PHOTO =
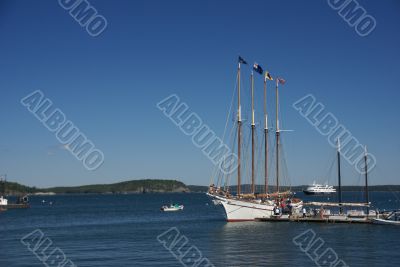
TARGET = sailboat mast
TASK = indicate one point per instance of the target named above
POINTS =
(239, 135)
(252, 135)
(277, 136)
(339, 178)
(366, 179)
(265, 138)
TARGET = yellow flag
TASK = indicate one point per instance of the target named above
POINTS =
(268, 76)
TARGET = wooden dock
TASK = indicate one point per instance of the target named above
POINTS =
(327, 219)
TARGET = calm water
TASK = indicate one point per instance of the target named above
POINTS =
(122, 230)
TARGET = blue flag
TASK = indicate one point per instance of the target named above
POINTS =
(257, 68)
(242, 61)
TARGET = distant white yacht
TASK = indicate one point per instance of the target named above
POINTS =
(319, 189)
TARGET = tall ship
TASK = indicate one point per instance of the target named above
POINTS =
(319, 189)
(241, 205)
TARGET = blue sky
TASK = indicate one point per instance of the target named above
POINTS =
(109, 85)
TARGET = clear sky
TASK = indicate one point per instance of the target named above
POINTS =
(108, 86)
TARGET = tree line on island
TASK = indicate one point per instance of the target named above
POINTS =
(148, 186)
(126, 187)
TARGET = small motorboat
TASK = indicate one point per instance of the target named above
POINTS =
(392, 218)
(3, 202)
(172, 207)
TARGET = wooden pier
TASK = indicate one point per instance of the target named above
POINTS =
(327, 219)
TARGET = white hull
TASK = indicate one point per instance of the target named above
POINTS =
(169, 209)
(382, 221)
(241, 210)
(307, 192)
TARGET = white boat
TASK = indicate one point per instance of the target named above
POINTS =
(252, 205)
(22, 202)
(393, 219)
(318, 189)
(172, 207)
(3, 201)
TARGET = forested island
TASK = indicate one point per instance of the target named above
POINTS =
(127, 187)
(151, 186)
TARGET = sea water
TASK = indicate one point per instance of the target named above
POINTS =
(124, 230)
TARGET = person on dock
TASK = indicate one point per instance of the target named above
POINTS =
(277, 211)
(304, 212)
(322, 212)
(282, 206)
(290, 208)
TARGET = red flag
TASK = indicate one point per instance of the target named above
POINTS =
(281, 81)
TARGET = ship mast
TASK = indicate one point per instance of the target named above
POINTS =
(277, 136)
(265, 137)
(339, 178)
(253, 126)
(239, 117)
(366, 179)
